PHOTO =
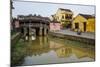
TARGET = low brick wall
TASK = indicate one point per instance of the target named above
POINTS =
(71, 37)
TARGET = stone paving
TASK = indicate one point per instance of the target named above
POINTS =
(89, 35)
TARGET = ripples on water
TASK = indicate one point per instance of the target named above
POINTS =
(46, 50)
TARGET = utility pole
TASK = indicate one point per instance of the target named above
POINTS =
(11, 5)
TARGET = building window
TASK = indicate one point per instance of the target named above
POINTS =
(66, 16)
(76, 25)
(70, 16)
(62, 16)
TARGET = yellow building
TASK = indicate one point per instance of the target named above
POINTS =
(64, 16)
(84, 23)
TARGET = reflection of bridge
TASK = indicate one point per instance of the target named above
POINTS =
(38, 23)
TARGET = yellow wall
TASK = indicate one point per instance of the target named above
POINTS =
(90, 24)
(79, 19)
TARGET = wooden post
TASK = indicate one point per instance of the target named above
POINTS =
(40, 31)
(45, 31)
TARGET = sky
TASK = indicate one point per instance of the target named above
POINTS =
(48, 9)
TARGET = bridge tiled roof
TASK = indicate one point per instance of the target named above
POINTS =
(34, 18)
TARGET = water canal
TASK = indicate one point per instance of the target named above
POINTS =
(45, 50)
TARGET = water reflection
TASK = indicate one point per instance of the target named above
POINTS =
(45, 50)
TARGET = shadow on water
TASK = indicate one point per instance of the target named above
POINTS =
(48, 49)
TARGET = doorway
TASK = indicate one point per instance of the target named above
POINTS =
(76, 25)
(84, 26)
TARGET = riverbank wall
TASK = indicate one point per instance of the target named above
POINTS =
(72, 37)
(15, 38)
